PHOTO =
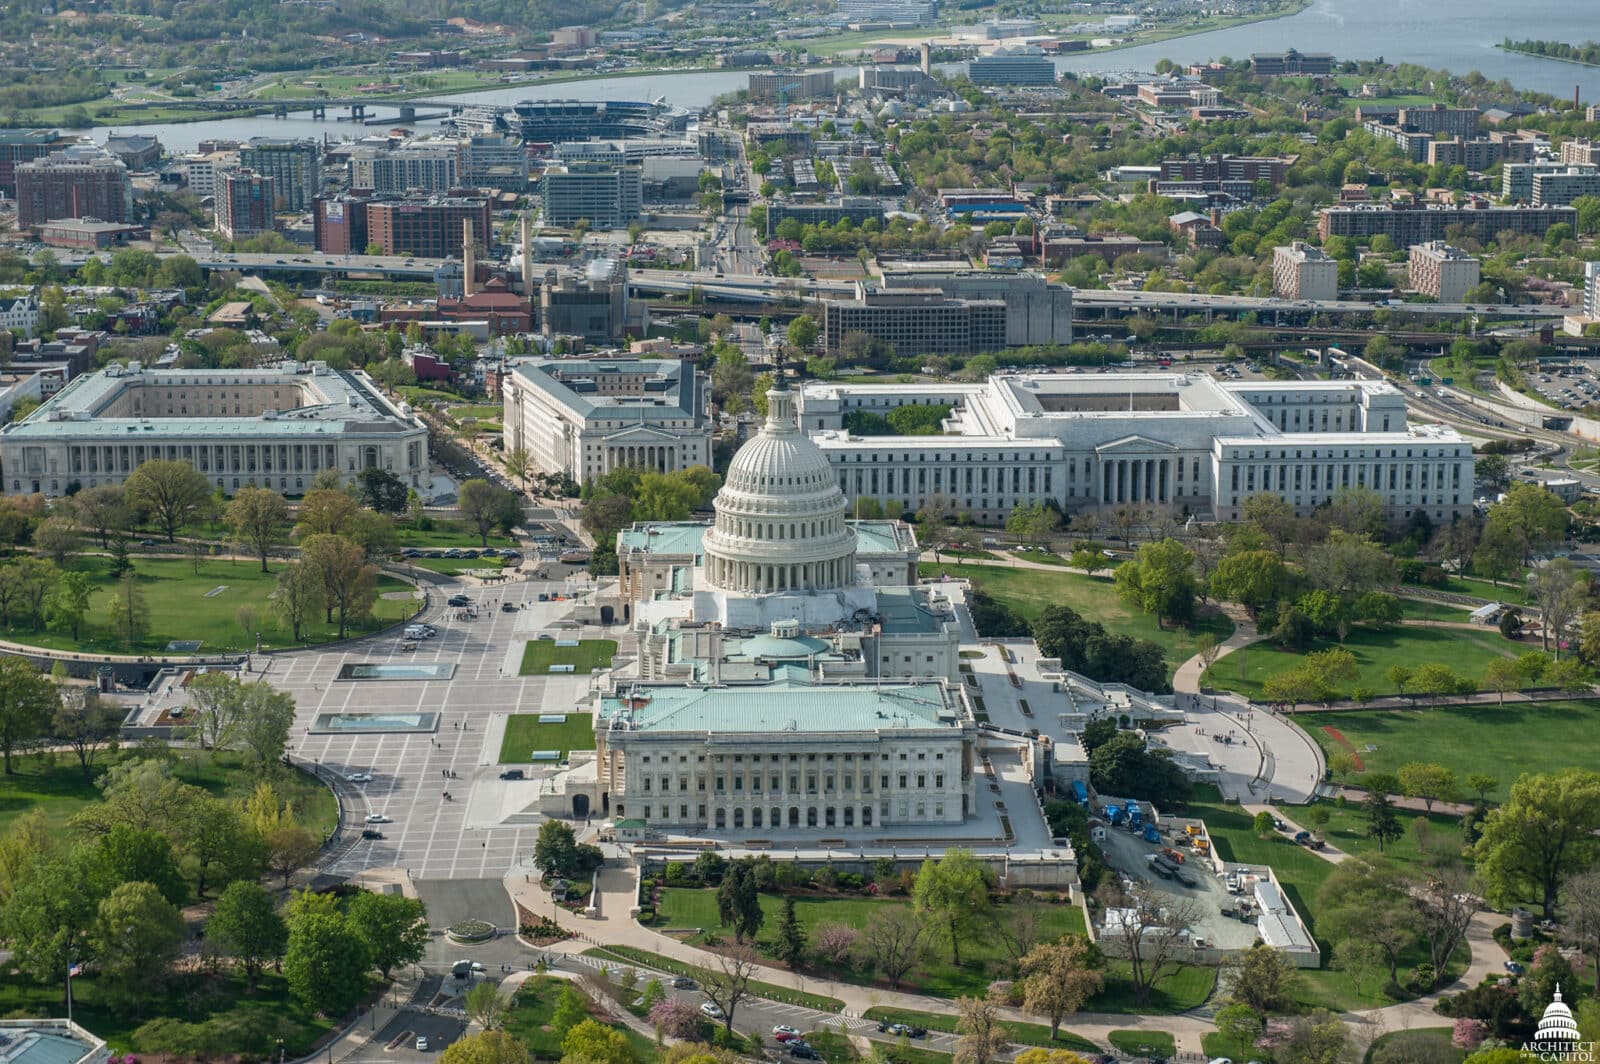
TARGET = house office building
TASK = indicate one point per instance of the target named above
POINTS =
(1038, 313)
(917, 321)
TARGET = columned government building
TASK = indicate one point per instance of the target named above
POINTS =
(1183, 441)
(275, 427)
(586, 417)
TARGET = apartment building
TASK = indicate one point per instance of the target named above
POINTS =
(1290, 63)
(1555, 187)
(246, 203)
(790, 86)
(24, 146)
(428, 228)
(1418, 224)
(1012, 69)
(1446, 273)
(1301, 271)
(1580, 152)
(295, 167)
(425, 167)
(79, 181)
(1273, 169)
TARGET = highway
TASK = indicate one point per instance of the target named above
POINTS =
(306, 261)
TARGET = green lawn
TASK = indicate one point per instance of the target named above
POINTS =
(1028, 1034)
(532, 1010)
(1501, 741)
(205, 606)
(476, 411)
(1029, 591)
(1426, 610)
(539, 654)
(1425, 1043)
(1465, 652)
(692, 907)
(55, 784)
(770, 991)
(1144, 1043)
(525, 734)
(1302, 874)
(443, 533)
(269, 1013)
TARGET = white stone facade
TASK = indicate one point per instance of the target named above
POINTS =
(1179, 441)
(586, 417)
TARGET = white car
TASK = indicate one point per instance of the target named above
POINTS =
(422, 1043)
(359, 777)
(784, 1028)
(712, 1009)
(379, 818)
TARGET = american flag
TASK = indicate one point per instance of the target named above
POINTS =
(74, 969)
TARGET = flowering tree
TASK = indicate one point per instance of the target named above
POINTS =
(1469, 1033)
(676, 1017)
(833, 942)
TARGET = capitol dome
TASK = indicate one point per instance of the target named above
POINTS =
(780, 514)
(1556, 1025)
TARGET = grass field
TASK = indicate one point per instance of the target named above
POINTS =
(534, 1007)
(452, 566)
(1302, 874)
(55, 784)
(1029, 591)
(1503, 742)
(1465, 652)
(445, 533)
(524, 734)
(1422, 1043)
(1028, 1034)
(770, 991)
(980, 956)
(539, 654)
(1143, 1043)
(205, 606)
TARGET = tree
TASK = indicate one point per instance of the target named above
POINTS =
(791, 944)
(572, 1008)
(214, 708)
(135, 938)
(1560, 588)
(290, 848)
(265, 717)
(246, 925)
(69, 601)
(519, 465)
(85, 723)
(1263, 824)
(1530, 517)
(349, 583)
(1059, 977)
(127, 854)
(802, 333)
(1493, 471)
(1502, 675)
(382, 491)
(555, 850)
(594, 1043)
(1159, 580)
(325, 512)
(485, 506)
(28, 702)
(392, 927)
(1382, 822)
(676, 1018)
(952, 892)
(486, 1046)
(324, 963)
(1348, 564)
(259, 517)
(1482, 783)
(47, 927)
(1124, 764)
(173, 493)
(100, 510)
(298, 596)
(895, 943)
(1252, 578)
(1545, 830)
(1446, 900)
(739, 902)
(1264, 979)
(727, 982)
(983, 1036)
(218, 845)
(1151, 932)
(56, 539)
(1427, 780)
(1270, 514)
(129, 616)
(1580, 926)
(1399, 675)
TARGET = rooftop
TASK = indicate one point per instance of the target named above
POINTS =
(788, 706)
(47, 1042)
(670, 386)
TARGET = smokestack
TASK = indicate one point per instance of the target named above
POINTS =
(527, 254)
(927, 58)
(1575, 103)
(469, 259)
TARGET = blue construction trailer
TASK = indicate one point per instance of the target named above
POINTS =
(1081, 793)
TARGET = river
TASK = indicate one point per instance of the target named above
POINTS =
(1457, 35)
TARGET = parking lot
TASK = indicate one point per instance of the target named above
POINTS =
(1129, 854)
(1570, 389)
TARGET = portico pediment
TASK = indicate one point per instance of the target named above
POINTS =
(1134, 445)
(637, 434)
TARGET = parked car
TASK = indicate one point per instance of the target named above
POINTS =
(147, 543)
(801, 1052)
(1514, 967)
(369, 833)
(784, 1033)
(379, 818)
(359, 777)
(712, 1009)
(682, 982)
(513, 774)
(458, 600)
(422, 1039)
(508, 607)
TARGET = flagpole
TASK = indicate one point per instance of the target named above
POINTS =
(69, 991)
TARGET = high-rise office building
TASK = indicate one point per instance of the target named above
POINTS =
(428, 228)
(1012, 69)
(607, 197)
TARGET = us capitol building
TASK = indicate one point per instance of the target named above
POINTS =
(790, 674)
